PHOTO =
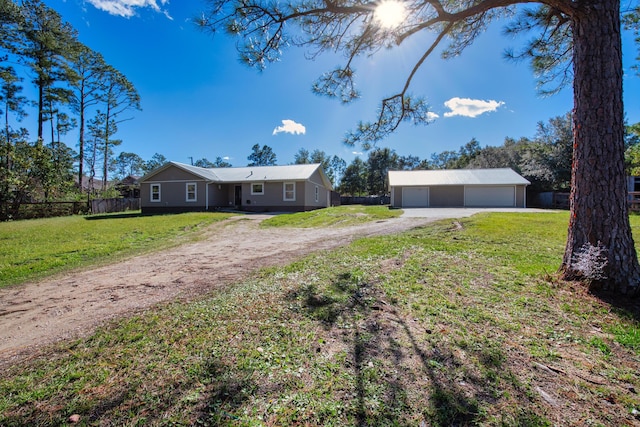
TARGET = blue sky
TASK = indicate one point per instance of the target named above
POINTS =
(199, 101)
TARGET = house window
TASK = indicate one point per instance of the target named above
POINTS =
(317, 193)
(155, 192)
(289, 189)
(192, 193)
(257, 189)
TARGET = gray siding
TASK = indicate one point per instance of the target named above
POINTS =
(452, 196)
(173, 194)
(446, 196)
(220, 195)
(521, 196)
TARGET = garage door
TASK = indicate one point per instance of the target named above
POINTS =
(415, 197)
(485, 196)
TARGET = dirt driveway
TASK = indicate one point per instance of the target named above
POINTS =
(73, 305)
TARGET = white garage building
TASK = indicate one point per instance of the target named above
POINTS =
(457, 188)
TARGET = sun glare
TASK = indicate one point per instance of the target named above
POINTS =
(390, 13)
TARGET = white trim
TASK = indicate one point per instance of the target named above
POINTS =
(257, 193)
(195, 192)
(151, 193)
(284, 191)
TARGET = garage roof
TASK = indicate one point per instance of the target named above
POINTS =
(503, 176)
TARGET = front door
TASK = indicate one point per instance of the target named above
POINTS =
(238, 196)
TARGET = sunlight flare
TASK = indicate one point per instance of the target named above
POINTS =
(390, 13)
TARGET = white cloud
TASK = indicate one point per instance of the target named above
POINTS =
(357, 153)
(127, 8)
(470, 107)
(289, 126)
(432, 116)
(226, 158)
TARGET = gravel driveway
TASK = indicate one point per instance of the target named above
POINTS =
(73, 305)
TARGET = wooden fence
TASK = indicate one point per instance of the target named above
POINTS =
(634, 201)
(31, 210)
(51, 209)
(101, 206)
(365, 200)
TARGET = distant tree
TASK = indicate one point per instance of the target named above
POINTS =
(94, 147)
(128, 164)
(632, 154)
(354, 179)
(333, 166)
(262, 156)
(632, 135)
(156, 161)
(380, 161)
(409, 162)
(203, 163)
(219, 162)
(12, 101)
(46, 46)
(460, 159)
(118, 96)
(557, 136)
(337, 167)
(90, 68)
(302, 157)
(15, 167)
(443, 160)
(508, 155)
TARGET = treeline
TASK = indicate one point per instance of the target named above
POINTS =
(74, 88)
(545, 160)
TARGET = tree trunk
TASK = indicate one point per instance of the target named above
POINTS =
(599, 213)
(40, 109)
(81, 138)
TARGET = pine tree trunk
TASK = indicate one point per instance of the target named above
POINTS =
(599, 215)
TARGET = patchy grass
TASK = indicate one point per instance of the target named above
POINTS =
(457, 323)
(340, 216)
(34, 248)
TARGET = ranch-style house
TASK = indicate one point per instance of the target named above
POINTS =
(178, 187)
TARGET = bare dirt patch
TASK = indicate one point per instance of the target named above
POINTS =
(73, 305)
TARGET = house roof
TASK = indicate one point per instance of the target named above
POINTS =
(503, 176)
(249, 173)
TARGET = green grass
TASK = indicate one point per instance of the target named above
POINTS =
(455, 323)
(340, 216)
(35, 248)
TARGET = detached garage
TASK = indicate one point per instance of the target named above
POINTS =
(457, 188)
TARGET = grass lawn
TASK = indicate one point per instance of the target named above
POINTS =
(35, 248)
(455, 323)
(339, 216)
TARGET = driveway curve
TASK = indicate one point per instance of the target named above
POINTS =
(72, 305)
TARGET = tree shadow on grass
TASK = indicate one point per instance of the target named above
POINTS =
(227, 392)
(629, 307)
(377, 351)
(123, 215)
